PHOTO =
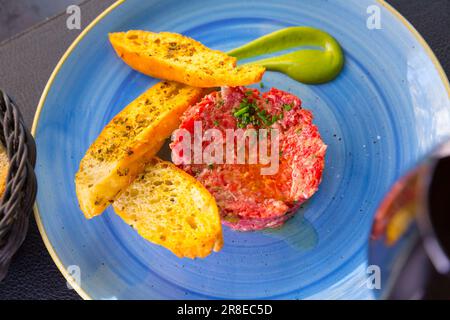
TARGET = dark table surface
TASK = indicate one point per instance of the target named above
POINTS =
(26, 62)
(18, 15)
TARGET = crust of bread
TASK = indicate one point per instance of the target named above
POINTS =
(179, 58)
(4, 168)
(170, 208)
(128, 142)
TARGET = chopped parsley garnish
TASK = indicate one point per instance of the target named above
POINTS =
(248, 113)
(216, 123)
(241, 112)
(261, 85)
(287, 107)
(275, 118)
(263, 116)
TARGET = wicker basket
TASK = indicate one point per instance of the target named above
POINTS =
(20, 193)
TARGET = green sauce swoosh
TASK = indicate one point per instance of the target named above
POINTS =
(311, 66)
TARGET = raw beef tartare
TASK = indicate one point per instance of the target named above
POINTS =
(247, 199)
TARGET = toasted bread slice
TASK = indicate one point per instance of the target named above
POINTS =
(171, 208)
(4, 168)
(128, 142)
(175, 57)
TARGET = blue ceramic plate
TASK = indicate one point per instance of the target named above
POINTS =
(387, 109)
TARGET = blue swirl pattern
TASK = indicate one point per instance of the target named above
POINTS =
(386, 110)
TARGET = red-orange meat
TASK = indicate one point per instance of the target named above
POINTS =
(247, 199)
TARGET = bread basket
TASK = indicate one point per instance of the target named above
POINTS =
(20, 189)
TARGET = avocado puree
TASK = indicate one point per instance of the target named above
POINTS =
(311, 66)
